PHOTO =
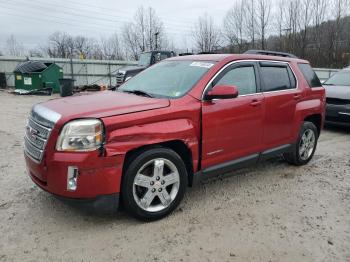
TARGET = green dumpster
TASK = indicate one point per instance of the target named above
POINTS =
(33, 75)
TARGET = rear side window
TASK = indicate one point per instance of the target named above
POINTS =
(277, 77)
(310, 75)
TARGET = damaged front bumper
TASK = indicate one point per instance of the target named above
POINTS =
(97, 178)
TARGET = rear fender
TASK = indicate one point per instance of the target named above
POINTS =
(305, 109)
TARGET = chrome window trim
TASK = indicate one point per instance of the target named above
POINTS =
(261, 92)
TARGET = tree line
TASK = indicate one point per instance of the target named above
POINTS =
(316, 30)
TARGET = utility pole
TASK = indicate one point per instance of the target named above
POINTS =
(156, 35)
(109, 74)
(288, 34)
(71, 67)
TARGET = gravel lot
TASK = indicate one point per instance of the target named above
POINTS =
(275, 212)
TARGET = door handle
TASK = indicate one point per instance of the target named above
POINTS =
(297, 96)
(255, 102)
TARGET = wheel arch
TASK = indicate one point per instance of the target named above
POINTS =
(178, 146)
(316, 119)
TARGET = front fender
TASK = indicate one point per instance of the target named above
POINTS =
(122, 140)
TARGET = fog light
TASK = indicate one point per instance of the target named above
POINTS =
(72, 178)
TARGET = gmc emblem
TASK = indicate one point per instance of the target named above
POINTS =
(32, 132)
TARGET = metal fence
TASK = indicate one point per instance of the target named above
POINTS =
(88, 72)
(325, 73)
(85, 72)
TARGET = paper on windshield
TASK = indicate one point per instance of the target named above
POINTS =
(202, 64)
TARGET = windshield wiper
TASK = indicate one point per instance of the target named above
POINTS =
(138, 92)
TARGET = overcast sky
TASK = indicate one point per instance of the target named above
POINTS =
(33, 21)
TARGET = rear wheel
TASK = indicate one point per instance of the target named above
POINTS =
(154, 184)
(305, 147)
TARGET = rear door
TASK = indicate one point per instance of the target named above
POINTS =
(232, 128)
(279, 86)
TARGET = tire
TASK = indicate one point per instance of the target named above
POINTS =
(154, 184)
(304, 148)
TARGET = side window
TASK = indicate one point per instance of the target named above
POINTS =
(242, 77)
(310, 75)
(277, 78)
(293, 81)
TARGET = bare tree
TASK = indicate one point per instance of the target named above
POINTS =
(263, 18)
(64, 45)
(280, 22)
(334, 33)
(132, 41)
(83, 46)
(234, 25)
(13, 47)
(319, 7)
(305, 21)
(111, 48)
(96, 51)
(60, 45)
(292, 14)
(154, 29)
(250, 20)
(145, 33)
(206, 34)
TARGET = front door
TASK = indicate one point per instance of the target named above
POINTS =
(232, 128)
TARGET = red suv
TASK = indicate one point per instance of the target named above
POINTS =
(182, 120)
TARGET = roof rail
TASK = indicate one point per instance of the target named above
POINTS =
(272, 53)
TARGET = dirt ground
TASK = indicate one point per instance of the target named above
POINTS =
(274, 212)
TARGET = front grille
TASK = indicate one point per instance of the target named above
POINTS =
(120, 78)
(337, 101)
(36, 136)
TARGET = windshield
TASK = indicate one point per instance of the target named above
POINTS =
(145, 59)
(169, 79)
(341, 78)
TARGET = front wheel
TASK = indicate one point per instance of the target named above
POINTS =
(154, 184)
(305, 147)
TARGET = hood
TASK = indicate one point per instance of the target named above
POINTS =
(103, 104)
(340, 92)
(132, 69)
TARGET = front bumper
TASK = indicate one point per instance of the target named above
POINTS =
(106, 204)
(338, 114)
(97, 175)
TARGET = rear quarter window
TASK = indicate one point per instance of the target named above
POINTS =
(310, 75)
(277, 77)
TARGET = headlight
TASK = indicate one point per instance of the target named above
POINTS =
(80, 136)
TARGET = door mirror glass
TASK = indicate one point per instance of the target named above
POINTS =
(222, 92)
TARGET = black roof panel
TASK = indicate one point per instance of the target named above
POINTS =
(30, 67)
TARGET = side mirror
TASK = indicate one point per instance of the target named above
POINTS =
(222, 92)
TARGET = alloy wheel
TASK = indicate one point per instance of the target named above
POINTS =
(307, 144)
(156, 185)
